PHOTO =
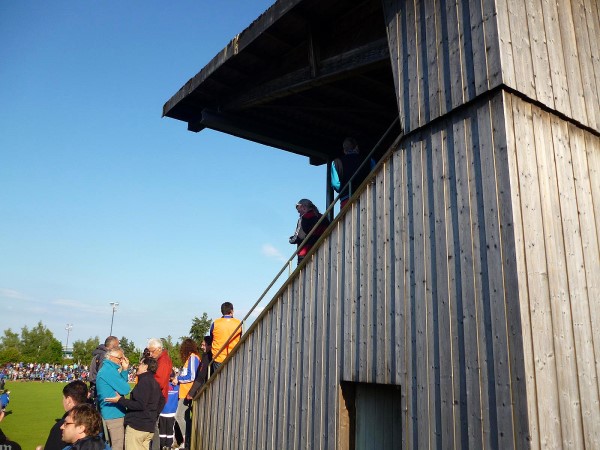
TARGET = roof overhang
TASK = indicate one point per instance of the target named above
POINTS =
(301, 77)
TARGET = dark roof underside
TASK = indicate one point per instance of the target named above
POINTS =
(301, 77)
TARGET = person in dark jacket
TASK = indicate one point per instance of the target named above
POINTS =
(98, 356)
(202, 374)
(75, 393)
(309, 216)
(349, 164)
(81, 429)
(143, 407)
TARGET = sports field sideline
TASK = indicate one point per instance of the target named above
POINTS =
(33, 409)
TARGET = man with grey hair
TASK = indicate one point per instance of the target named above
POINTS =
(162, 375)
(113, 378)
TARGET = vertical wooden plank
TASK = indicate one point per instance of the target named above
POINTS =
(286, 335)
(392, 20)
(297, 312)
(592, 144)
(362, 317)
(230, 403)
(556, 57)
(573, 71)
(592, 25)
(246, 392)
(430, 298)
(441, 294)
(381, 269)
(477, 45)
(521, 47)
(255, 390)
(578, 300)
(539, 52)
(274, 366)
(350, 294)
(471, 66)
(334, 345)
(431, 60)
(413, 69)
(558, 286)
(491, 22)
(307, 368)
(494, 300)
(320, 344)
(420, 372)
(400, 345)
(455, 349)
(585, 40)
(517, 340)
(457, 62)
(468, 286)
(480, 273)
(587, 171)
(505, 44)
(455, 289)
(528, 220)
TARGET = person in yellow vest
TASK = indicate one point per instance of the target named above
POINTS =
(220, 331)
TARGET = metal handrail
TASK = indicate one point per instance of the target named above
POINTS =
(291, 258)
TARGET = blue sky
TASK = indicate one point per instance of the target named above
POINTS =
(102, 199)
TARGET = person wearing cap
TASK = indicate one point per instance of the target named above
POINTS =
(342, 169)
(309, 216)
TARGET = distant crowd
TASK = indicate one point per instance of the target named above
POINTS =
(103, 411)
(45, 372)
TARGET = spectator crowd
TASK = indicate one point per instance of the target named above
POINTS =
(114, 404)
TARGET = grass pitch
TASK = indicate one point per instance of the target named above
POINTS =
(33, 409)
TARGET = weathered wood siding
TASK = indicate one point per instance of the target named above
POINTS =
(555, 173)
(448, 52)
(467, 272)
(415, 286)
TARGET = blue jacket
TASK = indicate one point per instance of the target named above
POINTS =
(172, 401)
(108, 381)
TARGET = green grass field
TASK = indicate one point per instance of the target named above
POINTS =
(33, 409)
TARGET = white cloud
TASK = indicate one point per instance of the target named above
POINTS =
(272, 252)
(12, 294)
(74, 305)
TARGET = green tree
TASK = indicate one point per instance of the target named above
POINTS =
(200, 328)
(10, 347)
(173, 350)
(10, 339)
(82, 350)
(131, 351)
(40, 345)
(10, 354)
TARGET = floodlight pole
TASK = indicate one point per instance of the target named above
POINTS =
(69, 327)
(114, 308)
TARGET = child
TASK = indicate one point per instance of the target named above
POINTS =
(4, 400)
(166, 419)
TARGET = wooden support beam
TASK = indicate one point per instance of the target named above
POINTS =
(329, 70)
(254, 131)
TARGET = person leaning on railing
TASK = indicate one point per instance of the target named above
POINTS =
(347, 165)
(309, 216)
(203, 369)
(220, 331)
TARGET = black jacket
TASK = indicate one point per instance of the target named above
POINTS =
(88, 443)
(202, 374)
(54, 441)
(145, 403)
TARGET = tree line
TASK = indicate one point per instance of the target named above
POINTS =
(38, 345)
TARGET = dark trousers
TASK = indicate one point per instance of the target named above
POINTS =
(166, 430)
